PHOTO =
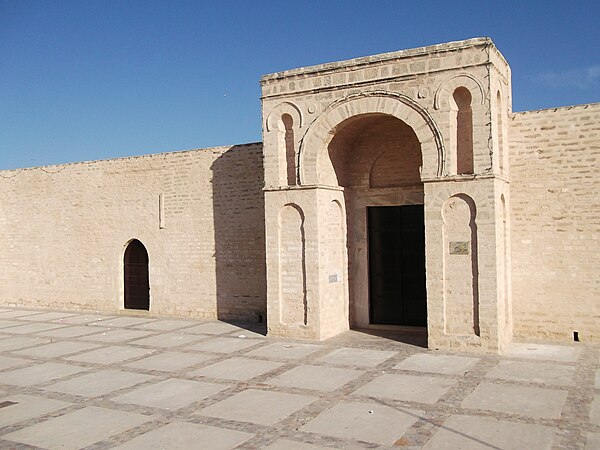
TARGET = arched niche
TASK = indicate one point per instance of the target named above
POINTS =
(293, 308)
(315, 165)
(461, 271)
(445, 90)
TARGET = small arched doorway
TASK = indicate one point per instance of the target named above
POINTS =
(137, 283)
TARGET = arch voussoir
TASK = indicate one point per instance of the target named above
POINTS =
(313, 150)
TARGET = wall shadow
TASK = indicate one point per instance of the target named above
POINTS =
(239, 231)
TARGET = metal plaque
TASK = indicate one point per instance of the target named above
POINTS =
(459, 247)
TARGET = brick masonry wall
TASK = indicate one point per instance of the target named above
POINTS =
(64, 229)
(555, 223)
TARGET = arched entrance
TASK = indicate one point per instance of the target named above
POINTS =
(376, 158)
(137, 285)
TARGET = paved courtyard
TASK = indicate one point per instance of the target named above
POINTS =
(93, 381)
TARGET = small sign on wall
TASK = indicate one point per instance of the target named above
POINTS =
(459, 247)
(335, 278)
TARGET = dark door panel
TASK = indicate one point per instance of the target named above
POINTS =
(397, 265)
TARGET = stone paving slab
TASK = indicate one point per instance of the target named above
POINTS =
(77, 429)
(531, 372)
(167, 340)
(70, 332)
(223, 345)
(41, 373)
(8, 362)
(56, 349)
(285, 350)
(16, 343)
(23, 407)
(170, 394)
(186, 436)
(521, 400)
(240, 369)
(118, 335)
(410, 388)
(316, 378)
(359, 390)
(50, 316)
(356, 357)
(369, 422)
(170, 361)
(259, 407)
(31, 328)
(442, 364)
(94, 384)
(110, 355)
(546, 352)
(83, 319)
(475, 433)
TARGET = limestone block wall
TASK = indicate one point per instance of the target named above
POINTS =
(555, 223)
(199, 213)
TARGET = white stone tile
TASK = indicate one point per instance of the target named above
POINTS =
(412, 388)
(477, 433)
(186, 436)
(27, 407)
(170, 361)
(99, 383)
(117, 335)
(368, 422)
(123, 321)
(259, 407)
(547, 352)
(7, 323)
(77, 429)
(284, 350)
(50, 316)
(240, 369)
(170, 394)
(214, 328)
(356, 357)
(40, 373)
(19, 342)
(315, 377)
(223, 344)
(83, 319)
(71, 331)
(32, 328)
(110, 355)
(435, 363)
(18, 313)
(167, 340)
(523, 400)
(166, 325)
(56, 349)
(533, 372)
(7, 362)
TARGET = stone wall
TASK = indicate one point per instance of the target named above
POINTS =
(555, 223)
(199, 213)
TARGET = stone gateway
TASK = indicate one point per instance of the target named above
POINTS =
(396, 190)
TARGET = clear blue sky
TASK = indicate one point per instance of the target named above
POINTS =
(85, 80)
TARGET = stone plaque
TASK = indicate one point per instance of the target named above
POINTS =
(335, 278)
(459, 247)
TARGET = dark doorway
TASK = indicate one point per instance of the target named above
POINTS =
(397, 293)
(137, 285)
